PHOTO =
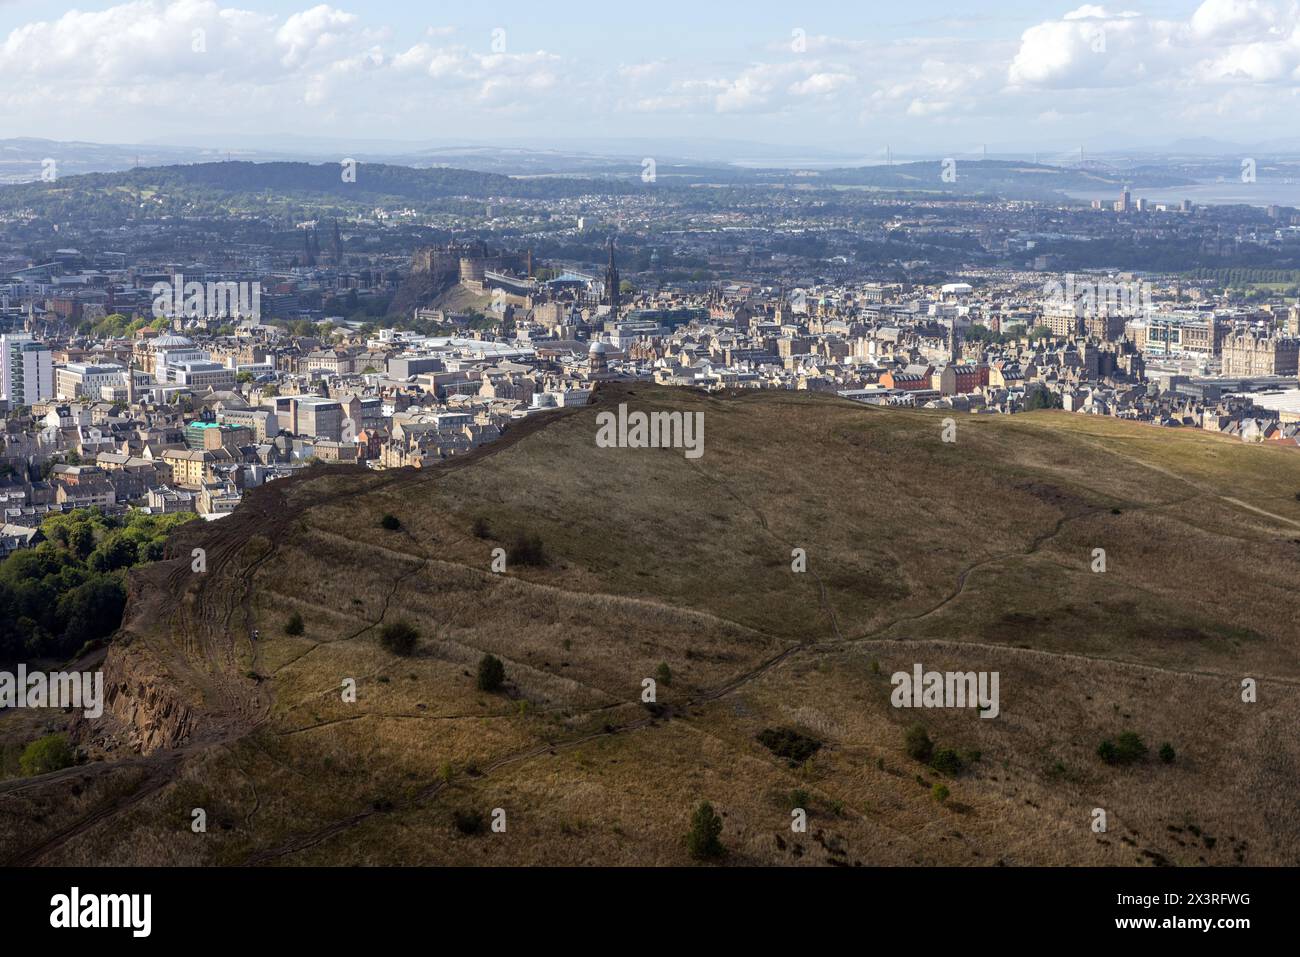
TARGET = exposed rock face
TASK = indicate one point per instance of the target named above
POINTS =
(143, 710)
(178, 668)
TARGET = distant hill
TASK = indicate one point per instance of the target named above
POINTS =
(996, 176)
(214, 186)
(374, 181)
(773, 684)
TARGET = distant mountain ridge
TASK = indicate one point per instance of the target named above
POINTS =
(372, 181)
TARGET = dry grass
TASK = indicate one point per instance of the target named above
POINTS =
(966, 556)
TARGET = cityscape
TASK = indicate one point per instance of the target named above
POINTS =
(140, 381)
(760, 488)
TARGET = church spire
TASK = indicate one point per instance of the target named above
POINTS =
(611, 281)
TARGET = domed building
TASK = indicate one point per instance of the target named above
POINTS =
(171, 349)
(598, 360)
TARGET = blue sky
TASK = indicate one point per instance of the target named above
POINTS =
(923, 75)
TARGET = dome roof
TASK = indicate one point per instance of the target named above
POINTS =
(172, 342)
(600, 348)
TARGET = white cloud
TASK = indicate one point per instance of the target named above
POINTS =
(1222, 41)
(227, 63)
(820, 84)
(132, 69)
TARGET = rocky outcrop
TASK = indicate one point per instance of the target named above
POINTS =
(144, 709)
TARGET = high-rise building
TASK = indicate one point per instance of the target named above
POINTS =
(26, 370)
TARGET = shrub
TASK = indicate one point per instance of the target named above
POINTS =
(468, 822)
(702, 840)
(800, 798)
(491, 673)
(391, 522)
(946, 761)
(294, 626)
(399, 637)
(940, 792)
(918, 743)
(481, 527)
(664, 674)
(50, 753)
(1167, 753)
(1125, 749)
(1130, 747)
(527, 550)
(789, 744)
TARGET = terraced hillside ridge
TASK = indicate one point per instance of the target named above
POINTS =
(974, 555)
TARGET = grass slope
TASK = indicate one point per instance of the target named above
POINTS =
(972, 555)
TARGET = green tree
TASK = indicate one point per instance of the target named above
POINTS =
(114, 552)
(50, 753)
(918, 743)
(491, 673)
(1125, 749)
(702, 841)
(947, 761)
(81, 539)
(90, 612)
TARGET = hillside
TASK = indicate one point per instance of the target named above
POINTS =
(999, 176)
(970, 555)
(211, 188)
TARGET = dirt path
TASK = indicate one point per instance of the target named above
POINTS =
(210, 634)
(235, 705)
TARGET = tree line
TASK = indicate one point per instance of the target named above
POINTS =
(70, 590)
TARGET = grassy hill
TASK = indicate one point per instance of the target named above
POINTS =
(213, 189)
(971, 555)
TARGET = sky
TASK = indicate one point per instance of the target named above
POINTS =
(919, 75)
